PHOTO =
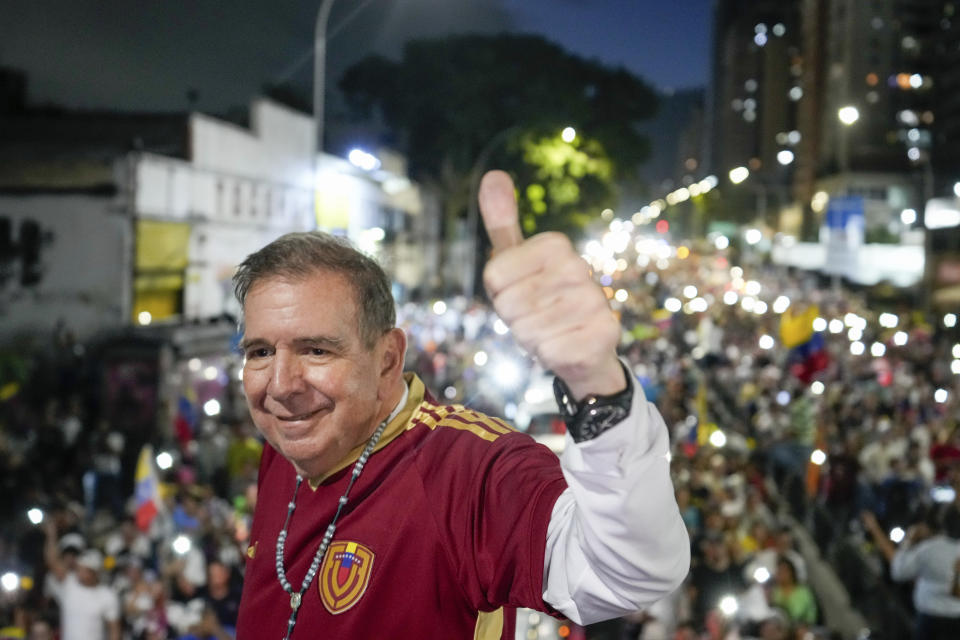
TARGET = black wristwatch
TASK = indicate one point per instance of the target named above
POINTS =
(594, 414)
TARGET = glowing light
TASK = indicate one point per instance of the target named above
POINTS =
(760, 307)
(956, 189)
(480, 358)
(857, 348)
(736, 272)
(672, 305)
(211, 373)
(181, 544)
(738, 174)
(689, 291)
(819, 324)
(896, 535)
(819, 201)
(439, 307)
(164, 460)
(761, 575)
(889, 320)
(783, 398)
(877, 349)
(816, 388)
(507, 373)
(10, 581)
(662, 226)
(955, 367)
(781, 304)
(940, 395)
(621, 295)
(956, 350)
(785, 157)
(363, 160)
(211, 407)
(568, 135)
(748, 303)
(683, 252)
(35, 515)
(728, 606)
(194, 364)
(950, 320)
(721, 242)
(144, 318)
(698, 305)
(753, 288)
(848, 115)
(818, 457)
(718, 439)
(500, 327)
(730, 297)
(854, 334)
(836, 326)
(766, 342)
(900, 338)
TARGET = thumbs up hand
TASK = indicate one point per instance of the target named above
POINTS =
(544, 292)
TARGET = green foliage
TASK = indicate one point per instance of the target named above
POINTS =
(449, 103)
(566, 182)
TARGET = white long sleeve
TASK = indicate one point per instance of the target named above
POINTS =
(616, 542)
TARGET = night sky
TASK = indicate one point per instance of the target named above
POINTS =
(146, 55)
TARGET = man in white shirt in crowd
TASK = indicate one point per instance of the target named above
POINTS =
(89, 610)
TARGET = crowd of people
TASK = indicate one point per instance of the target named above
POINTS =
(869, 432)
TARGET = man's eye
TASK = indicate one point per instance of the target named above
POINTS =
(260, 352)
(317, 351)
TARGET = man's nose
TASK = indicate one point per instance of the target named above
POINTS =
(287, 375)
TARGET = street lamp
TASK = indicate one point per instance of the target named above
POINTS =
(319, 64)
(739, 174)
(848, 114)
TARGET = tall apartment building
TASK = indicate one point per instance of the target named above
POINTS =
(757, 68)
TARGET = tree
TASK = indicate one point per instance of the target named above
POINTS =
(448, 99)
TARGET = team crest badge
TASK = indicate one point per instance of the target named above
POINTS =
(344, 575)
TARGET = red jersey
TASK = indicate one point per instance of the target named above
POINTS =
(447, 520)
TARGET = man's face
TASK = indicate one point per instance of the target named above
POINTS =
(312, 385)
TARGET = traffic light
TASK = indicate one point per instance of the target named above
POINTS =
(31, 271)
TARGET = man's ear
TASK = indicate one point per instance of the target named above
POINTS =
(393, 348)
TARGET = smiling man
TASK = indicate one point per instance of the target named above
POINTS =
(385, 514)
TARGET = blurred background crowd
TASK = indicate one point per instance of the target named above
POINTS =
(809, 435)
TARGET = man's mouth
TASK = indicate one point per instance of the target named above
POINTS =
(299, 417)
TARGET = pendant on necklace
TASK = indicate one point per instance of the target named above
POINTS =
(294, 601)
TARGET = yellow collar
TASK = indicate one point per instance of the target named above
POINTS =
(395, 427)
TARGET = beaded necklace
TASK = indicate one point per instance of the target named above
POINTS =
(296, 597)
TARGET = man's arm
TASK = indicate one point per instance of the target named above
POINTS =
(51, 554)
(616, 541)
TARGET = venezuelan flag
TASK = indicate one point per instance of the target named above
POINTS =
(146, 489)
(808, 353)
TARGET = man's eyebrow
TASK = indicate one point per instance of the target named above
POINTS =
(246, 343)
(334, 342)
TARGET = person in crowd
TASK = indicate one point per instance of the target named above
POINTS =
(792, 595)
(89, 610)
(927, 558)
(384, 513)
(713, 578)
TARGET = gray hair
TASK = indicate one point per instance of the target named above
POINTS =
(301, 254)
